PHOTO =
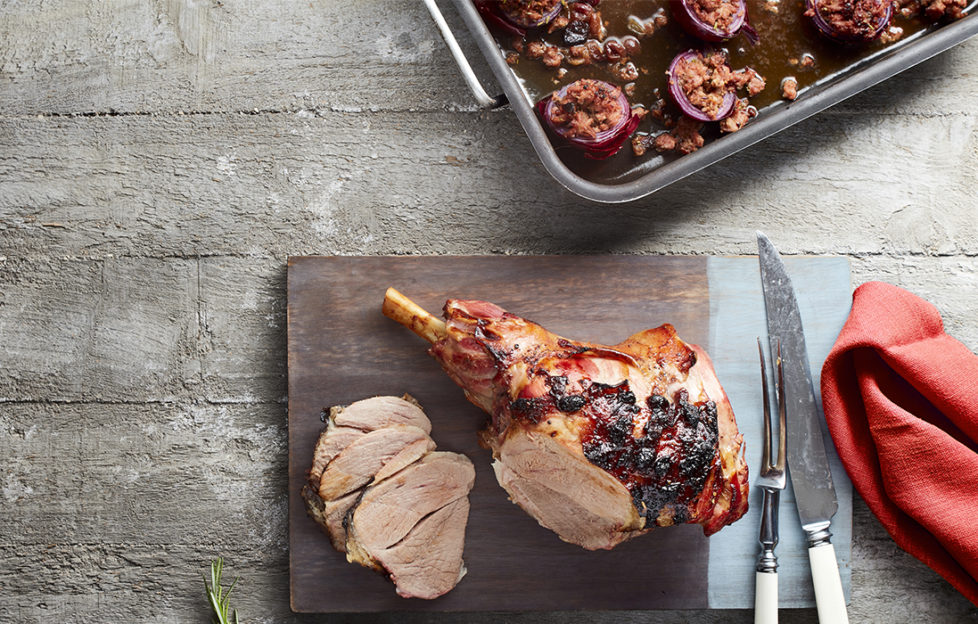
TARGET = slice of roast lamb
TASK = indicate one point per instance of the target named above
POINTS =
(577, 500)
(381, 411)
(377, 454)
(427, 563)
(412, 525)
(346, 424)
(364, 441)
(331, 442)
(372, 457)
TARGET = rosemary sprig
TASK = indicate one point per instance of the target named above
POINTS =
(219, 599)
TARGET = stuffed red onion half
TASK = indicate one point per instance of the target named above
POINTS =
(850, 21)
(696, 89)
(590, 115)
(714, 20)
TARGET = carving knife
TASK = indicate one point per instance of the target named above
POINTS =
(808, 465)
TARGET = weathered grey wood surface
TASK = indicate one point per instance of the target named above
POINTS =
(159, 159)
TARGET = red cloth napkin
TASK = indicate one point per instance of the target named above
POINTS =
(901, 401)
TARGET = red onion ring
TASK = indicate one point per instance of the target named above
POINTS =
(682, 100)
(826, 29)
(694, 25)
(491, 15)
(604, 144)
(528, 24)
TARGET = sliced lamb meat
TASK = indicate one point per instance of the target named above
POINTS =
(579, 501)
(347, 423)
(376, 454)
(364, 441)
(391, 508)
(329, 515)
(428, 561)
(332, 441)
(374, 468)
(334, 515)
(315, 507)
(380, 411)
(396, 525)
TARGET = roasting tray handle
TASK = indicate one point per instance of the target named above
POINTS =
(485, 100)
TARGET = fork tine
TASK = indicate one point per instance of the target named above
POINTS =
(766, 443)
(782, 415)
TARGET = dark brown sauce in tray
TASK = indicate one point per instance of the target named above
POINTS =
(786, 37)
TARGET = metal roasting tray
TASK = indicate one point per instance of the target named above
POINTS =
(656, 173)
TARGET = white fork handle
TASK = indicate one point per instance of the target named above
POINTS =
(829, 598)
(765, 598)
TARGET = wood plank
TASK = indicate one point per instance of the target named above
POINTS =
(167, 56)
(160, 475)
(113, 329)
(242, 345)
(119, 582)
(339, 184)
(142, 330)
(242, 334)
(342, 349)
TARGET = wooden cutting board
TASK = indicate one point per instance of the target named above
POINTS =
(341, 348)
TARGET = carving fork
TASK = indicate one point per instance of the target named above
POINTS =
(771, 482)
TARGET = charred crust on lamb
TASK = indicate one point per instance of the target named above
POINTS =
(648, 412)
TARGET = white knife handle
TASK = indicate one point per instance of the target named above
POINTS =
(829, 598)
(765, 598)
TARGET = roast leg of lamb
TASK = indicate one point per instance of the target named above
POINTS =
(599, 444)
(387, 499)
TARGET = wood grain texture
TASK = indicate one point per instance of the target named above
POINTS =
(178, 55)
(121, 149)
(441, 183)
(341, 349)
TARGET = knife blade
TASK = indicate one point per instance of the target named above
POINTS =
(808, 464)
